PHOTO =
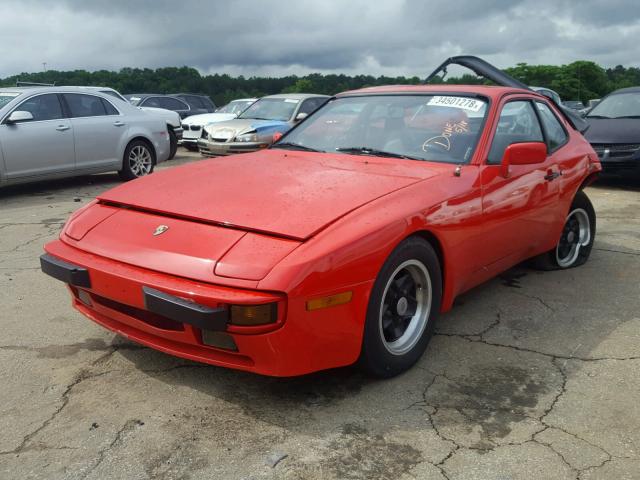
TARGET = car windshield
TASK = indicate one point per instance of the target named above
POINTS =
(271, 109)
(6, 97)
(235, 106)
(441, 128)
(619, 105)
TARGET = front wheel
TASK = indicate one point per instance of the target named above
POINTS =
(138, 160)
(576, 240)
(403, 307)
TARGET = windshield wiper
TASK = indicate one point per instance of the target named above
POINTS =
(628, 116)
(294, 146)
(597, 116)
(374, 152)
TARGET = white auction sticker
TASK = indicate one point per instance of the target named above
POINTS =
(291, 100)
(465, 103)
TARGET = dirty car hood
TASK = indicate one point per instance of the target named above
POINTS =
(238, 126)
(283, 193)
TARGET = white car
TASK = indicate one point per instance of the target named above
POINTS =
(53, 132)
(172, 118)
(192, 126)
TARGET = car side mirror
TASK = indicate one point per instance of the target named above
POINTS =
(18, 116)
(525, 153)
(301, 116)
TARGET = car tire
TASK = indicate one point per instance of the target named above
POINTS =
(403, 307)
(139, 160)
(576, 241)
(173, 144)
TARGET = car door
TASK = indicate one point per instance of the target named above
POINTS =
(569, 162)
(519, 203)
(99, 131)
(41, 146)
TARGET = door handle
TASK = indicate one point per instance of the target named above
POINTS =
(118, 123)
(552, 175)
(62, 128)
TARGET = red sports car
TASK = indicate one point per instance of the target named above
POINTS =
(344, 241)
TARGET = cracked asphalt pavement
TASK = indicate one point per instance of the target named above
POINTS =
(531, 376)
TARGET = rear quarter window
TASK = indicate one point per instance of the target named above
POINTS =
(555, 132)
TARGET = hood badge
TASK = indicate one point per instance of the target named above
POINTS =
(160, 229)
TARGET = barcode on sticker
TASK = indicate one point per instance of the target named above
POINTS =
(465, 103)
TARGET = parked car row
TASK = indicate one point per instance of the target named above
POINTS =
(192, 126)
(261, 124)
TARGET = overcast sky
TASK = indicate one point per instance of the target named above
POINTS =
(394, 37)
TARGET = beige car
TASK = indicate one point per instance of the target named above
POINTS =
(259, 125)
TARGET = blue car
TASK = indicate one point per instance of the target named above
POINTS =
(259, 125)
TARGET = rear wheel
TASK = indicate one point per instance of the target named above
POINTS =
(576, 240)
(403, 307)
(138, 161)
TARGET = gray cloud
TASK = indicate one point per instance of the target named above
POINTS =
(269, 37)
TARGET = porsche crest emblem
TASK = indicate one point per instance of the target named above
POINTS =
(160, 229)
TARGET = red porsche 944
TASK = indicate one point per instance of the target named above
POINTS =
(343, 241)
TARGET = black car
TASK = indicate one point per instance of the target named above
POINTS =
(197, 102)
(161, 101)
(614, 131)
(575, 104)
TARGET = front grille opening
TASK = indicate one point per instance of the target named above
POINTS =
(153, 319)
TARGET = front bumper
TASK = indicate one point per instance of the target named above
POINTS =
(183, 317)
(214, 149)
(618, 158)
(179, 133)
(191, 134)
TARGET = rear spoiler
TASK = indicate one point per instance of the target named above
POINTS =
(485, 69)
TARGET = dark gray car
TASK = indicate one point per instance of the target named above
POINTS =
(156, 100)
(614, 131)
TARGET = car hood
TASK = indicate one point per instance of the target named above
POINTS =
(245, 125)
(613, 130)
(206, 118)
(277, 192)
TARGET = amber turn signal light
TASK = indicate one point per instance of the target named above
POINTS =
(249, 315)
(330, 301)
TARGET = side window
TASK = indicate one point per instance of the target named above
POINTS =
(110, 109)
(556, 134)
(311, 105)
(518, 123)
(194, 102)
(151, 102)
(81, 105)
(171, 103)
(42, 107)
(207, 103)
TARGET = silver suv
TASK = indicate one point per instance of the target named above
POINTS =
(53, 132)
